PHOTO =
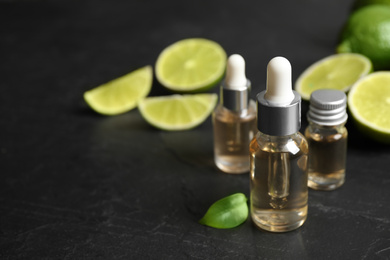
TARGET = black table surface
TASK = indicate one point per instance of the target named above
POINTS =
(78, 185)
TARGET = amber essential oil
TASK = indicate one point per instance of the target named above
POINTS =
(327, 137)
(327, 167)
(232, 134)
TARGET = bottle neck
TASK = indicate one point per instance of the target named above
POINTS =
(290, 143)
(326, 127)
(278, 120)
(236, 100)
(274, 138)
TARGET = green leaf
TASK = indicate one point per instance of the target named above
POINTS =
(228, 212)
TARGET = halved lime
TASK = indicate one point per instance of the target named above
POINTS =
(369, 104)
(191, 65)
(121, 94)
(338, 71)
(177, 112)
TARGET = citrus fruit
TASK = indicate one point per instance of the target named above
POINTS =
(367, 32)
(121, 94)
(369, 104)
(177, 112)
(191, 65)
(338, 71)
(360, 3)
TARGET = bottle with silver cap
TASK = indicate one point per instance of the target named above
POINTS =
(234, 119)
(278, 174)
(327, 137)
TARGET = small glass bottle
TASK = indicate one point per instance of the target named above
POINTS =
(234, 120)
(278, 175)
(327, 137)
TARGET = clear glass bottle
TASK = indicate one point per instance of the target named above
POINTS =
(234, 120)
(278, 174)
(327, 137)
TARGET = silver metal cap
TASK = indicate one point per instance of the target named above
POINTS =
(278, 120)
(328, 107)
(235, 99)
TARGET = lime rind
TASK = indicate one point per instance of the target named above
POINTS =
(122, 94)
(177, 112)
(333, 72)
(191, 65)
(370, 124)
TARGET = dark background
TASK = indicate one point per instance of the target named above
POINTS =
(77, 185)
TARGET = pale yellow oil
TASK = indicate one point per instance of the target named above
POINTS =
(327, 160)
(278, 181)
(232, 135)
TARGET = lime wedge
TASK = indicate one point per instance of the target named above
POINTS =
(338, 71)
(369, 104)
(121, 94)
(177, 112)
(191, 65)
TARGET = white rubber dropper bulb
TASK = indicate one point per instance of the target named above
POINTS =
(279, 86)
(235, 72)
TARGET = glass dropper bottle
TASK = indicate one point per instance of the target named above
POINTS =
(278, 175)
(234, 119)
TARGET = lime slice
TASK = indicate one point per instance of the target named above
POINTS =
(339, 71)
(369, 104)
(191, 65)
(121, 94)
(177, 112)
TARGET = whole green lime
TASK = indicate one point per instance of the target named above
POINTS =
(360, 3)
(367, 32)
